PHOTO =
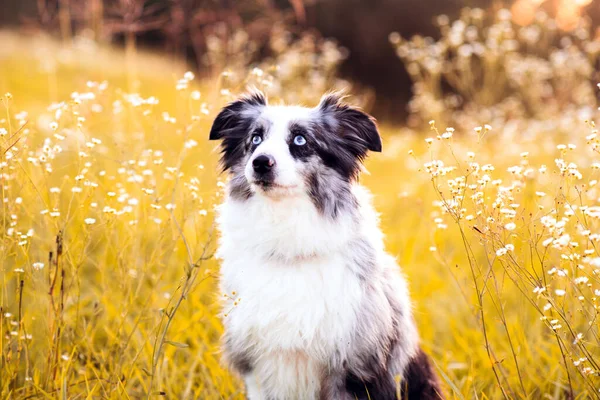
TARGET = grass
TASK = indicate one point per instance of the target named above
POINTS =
(109, 288)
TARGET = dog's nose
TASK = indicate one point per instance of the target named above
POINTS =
(263, 164)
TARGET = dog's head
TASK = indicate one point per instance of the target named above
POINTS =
(281, 151)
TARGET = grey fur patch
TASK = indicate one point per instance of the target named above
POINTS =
(237, 355)
(333, 386)
(330, 194)
(362, 259)
(239, 188)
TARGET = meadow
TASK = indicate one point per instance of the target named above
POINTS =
(109, 184)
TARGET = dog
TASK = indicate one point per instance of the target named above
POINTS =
(314, 308)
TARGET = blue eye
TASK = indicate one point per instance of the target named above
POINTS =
(299, 140)
(256, 139)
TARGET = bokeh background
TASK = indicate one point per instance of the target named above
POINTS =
(487, 185)
(182, 29)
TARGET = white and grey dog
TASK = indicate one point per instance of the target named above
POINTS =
(323, 310)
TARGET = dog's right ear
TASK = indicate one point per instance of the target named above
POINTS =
(232, 117)
(357, 128)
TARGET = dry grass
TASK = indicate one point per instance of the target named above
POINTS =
(108, 285)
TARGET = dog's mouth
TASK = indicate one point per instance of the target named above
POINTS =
(267, 184)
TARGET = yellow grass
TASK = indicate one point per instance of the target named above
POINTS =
(125, 306)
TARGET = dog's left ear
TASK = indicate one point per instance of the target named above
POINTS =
(352, 124)
(233, 124)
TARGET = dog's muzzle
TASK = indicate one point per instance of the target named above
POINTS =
(263, 166)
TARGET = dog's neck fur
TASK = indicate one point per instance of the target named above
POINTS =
(293, 229)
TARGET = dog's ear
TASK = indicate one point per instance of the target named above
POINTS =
(233, 125)
(235, 115)
(355, 126)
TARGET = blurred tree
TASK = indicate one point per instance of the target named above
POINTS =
(363, 28)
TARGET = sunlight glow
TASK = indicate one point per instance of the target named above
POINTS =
(568, 12)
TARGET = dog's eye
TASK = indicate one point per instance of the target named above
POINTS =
(299, 140)
(256, 139)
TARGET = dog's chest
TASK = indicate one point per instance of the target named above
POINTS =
(308, 306)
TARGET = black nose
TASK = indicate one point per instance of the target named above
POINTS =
(263, 164)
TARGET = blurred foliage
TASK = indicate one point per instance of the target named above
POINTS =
(226, 37)
(297, 71)
(179, 25)
(487, 68)
(188, 28)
